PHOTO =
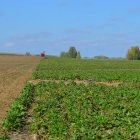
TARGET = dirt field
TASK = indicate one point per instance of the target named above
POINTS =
(14, 72)
(19, 59)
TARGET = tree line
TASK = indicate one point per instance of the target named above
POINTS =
(133, 53)
(71, 53)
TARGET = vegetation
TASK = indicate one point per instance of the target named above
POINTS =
(4, 137)
(78, 56)
(133, 53)
(72, 53)
(64, 54)
(16, 116)
(67, 69)
(66, 109)
(75, 111)
(101, 57)
(92, 111)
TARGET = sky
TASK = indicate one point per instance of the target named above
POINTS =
(94, 27)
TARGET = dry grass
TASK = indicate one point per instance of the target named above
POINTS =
(13, 77)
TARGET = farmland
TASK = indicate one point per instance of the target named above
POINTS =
(87, 69)
(14, 72)
(78, 100)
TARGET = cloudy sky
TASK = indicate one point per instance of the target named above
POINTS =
(94, 27)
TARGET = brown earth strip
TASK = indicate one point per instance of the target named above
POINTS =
(19, 59)
(86, 82)
(23, 136)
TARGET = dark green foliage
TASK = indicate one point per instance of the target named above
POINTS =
(72, 52)
(4, 137)
(18, 110)
(137, 56)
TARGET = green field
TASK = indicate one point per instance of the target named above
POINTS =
(69, 99)
(101, 70)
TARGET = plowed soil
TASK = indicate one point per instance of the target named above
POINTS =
(14, 73)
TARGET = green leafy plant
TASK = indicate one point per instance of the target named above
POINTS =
(17, 113)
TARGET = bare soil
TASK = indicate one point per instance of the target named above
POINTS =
(23, 136)
(19, 59)
(13, 78)
(86, 82)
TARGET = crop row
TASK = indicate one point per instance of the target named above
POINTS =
(82, 112)
(98, 75)
(87, 69)
(89, 64)
(16, 116)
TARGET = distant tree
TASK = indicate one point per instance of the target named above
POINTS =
(101, 57)
(137, 56)
(133, 53)
(64, 54)
(72, 52)
(78, 55)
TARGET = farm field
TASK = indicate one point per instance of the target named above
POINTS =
(14, 72)
(18, 59)
(105, 70)
(68, 99)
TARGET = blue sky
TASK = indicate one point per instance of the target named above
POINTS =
(94, 27)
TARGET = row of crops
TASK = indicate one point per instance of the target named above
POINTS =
(87, 64)
(61, 69)
(78, 112)
(71, 111)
